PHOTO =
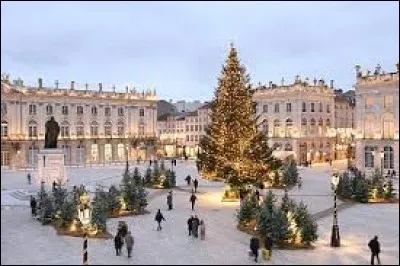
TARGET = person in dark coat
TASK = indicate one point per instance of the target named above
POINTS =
(33, 206)
(193, 199)
(195, 226)
(129, 243)
(196, 184)
(159, 217)
(54, 185)
(150, 162)
(188, 180)
(190, 225)
(169, 200)
(254, 247)
(118, 244)
(257, 195)
(268, 245)
(29, 178)
(375, 248)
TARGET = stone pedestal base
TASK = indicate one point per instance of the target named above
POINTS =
(51, 167)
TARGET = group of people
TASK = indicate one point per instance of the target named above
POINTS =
(123, 236)
(194, 225)
(188, 180)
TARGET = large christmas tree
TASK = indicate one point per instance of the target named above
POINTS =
(232, 148)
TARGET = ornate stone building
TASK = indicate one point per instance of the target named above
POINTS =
(298, 118)
(97, 126)
(377, 120)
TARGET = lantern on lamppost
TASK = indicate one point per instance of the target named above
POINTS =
(335, 237)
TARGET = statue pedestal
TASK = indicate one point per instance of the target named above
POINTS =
(51, 167)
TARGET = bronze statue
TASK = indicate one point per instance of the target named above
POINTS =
(52, 131)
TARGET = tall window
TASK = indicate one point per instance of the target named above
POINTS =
(388, 127)
(94, 110)
(120, 111)
(141, 112)
(288, 107)
(32, 109)
(369, 156)
(141, 130)
(120, 128)
(79, 129)
(79, 110)
(312, 107)
(5, 158)
(320, 126)
(276, 108)
(121, 151)
(265, 108)
(64, 110)
(107, 111)
(264, 126)
(320, 107)
(64, 129)
(95, 153)
(94, 129)
(4, 128)
(304, 107)
(107, 152)
(32, 129)
(289, 128)
(277, 125)
(49, 109)
(304, 127)
(67, 153)
(388, 101)
(107, 128)
(80, 154)
(328, 108)
(369, 126)
(32, 156)
(388, 158)
(312, 126)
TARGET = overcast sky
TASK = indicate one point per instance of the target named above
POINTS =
(179, 47)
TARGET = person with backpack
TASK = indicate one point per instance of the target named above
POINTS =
(190, 224)
(159, 218)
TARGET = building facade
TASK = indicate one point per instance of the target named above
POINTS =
(96, 126)
(298, 119)
(377, 120)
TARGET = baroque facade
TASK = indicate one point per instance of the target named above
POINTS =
(377, 118)
(298, 119)
(96, 126)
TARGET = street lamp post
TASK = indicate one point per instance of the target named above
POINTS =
(84, 214)
(335, 237)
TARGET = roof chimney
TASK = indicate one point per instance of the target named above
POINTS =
(100, 87)
(331, 83)
(126, 89)
(72, 85)
(270, 84)
(40, 81)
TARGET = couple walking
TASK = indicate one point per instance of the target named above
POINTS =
(194, 225)
(119, 241)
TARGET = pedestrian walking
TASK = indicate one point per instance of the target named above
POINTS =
(175, 162)
(193, 199)
(195, 226)
(254, 247)
(188, 180)
(150, 162)
(54, 185)
(202, 230)
(159, 218)
(33, 206)
(169, 200)
(268, 248)
(190, 224)
(375, 248)
(196, 184)
(29, 178)
(118, 244)
(129, 243)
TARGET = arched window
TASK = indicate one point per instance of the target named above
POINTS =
(4, 128)
(64, 129)
(107, 128)
(80, 154)
(94, 129)
(289, 128)
(264, 126)
(121, 151)
(80, 129)
(32, 155)
(369, 156)
(32, 109)
(277, 125)
(95, 152)
(328, 122)
(288, 147)
(121, 130)
(388, 157)
(108, 152)
(320, 126)
(49, 109)
(312, 126)
(388, 127)
(32, 129)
